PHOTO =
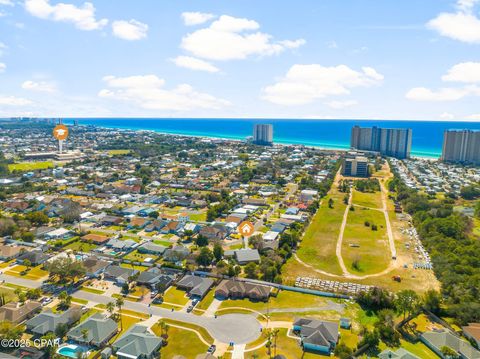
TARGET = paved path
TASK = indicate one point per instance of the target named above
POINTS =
(212, 308)
(20, 281)
(237, 328)
(238, 351)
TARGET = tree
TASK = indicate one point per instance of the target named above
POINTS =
(432, 301)
(201, 241)
(61, 330)
(217, 251)
(27, 237)
(342, 351)
(65, 269)
(34, 293)
(407, 302)
(330, 203)
(251, 270)
(84, 334)
(370, 339)
(27, 263)
(37, 218)
(449, 352)
(386, 327)
(65, 299)
(110, 306)
(205, 257)
(119, 303)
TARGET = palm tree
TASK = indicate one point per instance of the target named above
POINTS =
(110, 307)
(119, 303)
(84, 334)
(275, 335)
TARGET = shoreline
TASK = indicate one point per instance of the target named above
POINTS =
(282, 142)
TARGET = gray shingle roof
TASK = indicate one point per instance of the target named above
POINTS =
(99, 329)
(137, 341)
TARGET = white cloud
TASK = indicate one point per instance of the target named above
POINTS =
(2, 67)
(338, 105)
(462, 25)
(468, 72)
(14, 101)
(475, 116)
(129, 30)
(82, 17)
(196, 18)
(230, 38)
(193, 63)
(447, 116)
(443, 94)
(305, 83)
(41, 86)
(6, 2)
(148, 92)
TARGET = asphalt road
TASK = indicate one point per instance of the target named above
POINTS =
(236, 328)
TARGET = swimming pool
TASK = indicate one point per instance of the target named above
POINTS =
(71, 351)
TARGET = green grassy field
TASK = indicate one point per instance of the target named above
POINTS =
(367, 199)
(29, 166)
(373, 255)
(318, 244)
(81, 246)
(181, 341)
(175, 296)
(34, 273)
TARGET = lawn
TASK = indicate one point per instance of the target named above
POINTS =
(202, 331)
(206, 301)
(318, 245)
(175, 296)
(81, 246)
(133, 313)
(79, 301)
(198, 217)
(92, 290)
(181, 341)
(162, 243)
(367, 199)
(130, 266)
(139, 257)
(30, 166)
(34, 273)
(9, 294)
(285, 299)
(373, 253)
(127, 322)
(476, 227)
(88, 314)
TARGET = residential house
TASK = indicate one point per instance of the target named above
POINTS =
(111, 220)
(438, 339)
(138, 222)
(171, 227)
(195, 286)
(155, 225)
(154, 277)
(137, 343)
(151, 248)
(119, 274)
(176, 254)
(472, 332)
(16, 312)
(317, 335)
(98, 329)
(48, 321)
(235, 289)
(59, 233)
(120, 245)
(215, 232)
(245, 256)
(94, 267)
(11, 251)
(95, 238)
(398, 354)
(36, 257)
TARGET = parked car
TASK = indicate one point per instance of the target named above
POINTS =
(212, 349)
(190, 308)
(153, 294)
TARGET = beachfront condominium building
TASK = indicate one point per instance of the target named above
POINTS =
(263, 134)
(355, 166)
(461, 146)
(393, 142)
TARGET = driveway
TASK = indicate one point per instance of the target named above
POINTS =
(237, 328)
(21, 281)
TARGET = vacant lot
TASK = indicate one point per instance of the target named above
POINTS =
(372, 254)
(367, 199)
(318, 244)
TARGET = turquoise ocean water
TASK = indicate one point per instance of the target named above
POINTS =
(427, 136)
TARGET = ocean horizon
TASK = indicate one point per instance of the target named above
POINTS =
(427, 136)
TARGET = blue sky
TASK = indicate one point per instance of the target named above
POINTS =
(341, 59)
